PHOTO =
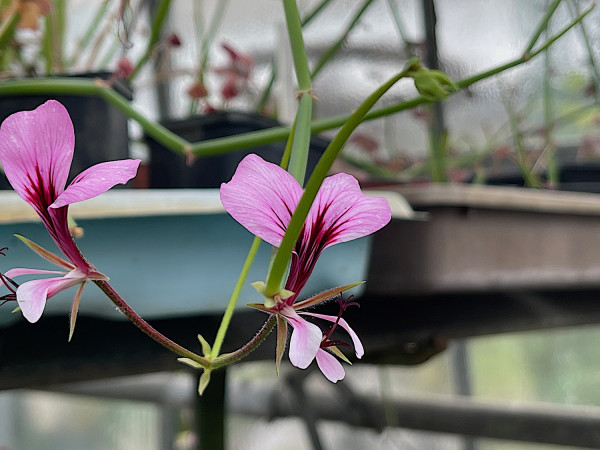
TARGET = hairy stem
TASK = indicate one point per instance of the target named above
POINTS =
(146, 327)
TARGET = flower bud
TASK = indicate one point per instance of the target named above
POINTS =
(433, 84)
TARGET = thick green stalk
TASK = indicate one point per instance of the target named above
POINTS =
(335, 48)
(159, 19)
(153, 129)
(292, 19)
(301, 139)
(294, 228)
(269, 86)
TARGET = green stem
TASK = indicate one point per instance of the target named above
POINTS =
(301, 139)
(251, 139)
(7, 29)
(335, 48)
(216, 348)
(438, 153)
(46, 47)
(222, 331)
(59, 20)
(215, 23)
(549, 150)
(269, 86)
(400, 28)
(588, 45)
(85, 40)
(153, 129)
(315, 12)
(159, 19)
(292, 19)
(294, 228)
(541, 27)
(248, 348)
(146, 327)
(521, 157)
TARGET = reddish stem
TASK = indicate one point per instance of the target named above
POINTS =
(147, 328)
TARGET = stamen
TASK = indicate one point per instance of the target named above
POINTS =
(8, 281)
(334, 343)
(344, 304)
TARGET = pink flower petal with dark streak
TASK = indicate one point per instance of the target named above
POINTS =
(262, 197)
(341, 212)
(96, 180)
(305, 340)
(330, 366)
(36, 150)
(358, 347)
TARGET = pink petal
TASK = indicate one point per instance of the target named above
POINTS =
(36, 150)
(262, 197)
(305, 340)
(97, 180)
(330, 366)
(358, 347)
(19, 271)
(344, 213)
(32, 295)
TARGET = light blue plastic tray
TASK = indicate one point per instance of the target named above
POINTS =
(168, 253)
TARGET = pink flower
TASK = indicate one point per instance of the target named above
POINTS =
(262, 197)
(36, 150)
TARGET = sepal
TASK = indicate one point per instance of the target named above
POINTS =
(282, 330)
(337, 352)
(204, 380)
(45, 253)
(191, 363)
(206, 348)
(325, 295)
(74, 310)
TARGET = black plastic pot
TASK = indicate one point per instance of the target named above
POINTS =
(100, 128)
(169, 169)
(574, 177)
